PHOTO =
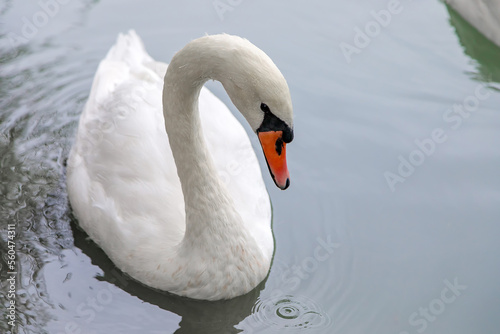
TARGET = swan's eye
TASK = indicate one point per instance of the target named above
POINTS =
(265, 108)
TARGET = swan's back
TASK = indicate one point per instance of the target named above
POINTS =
(122, 179)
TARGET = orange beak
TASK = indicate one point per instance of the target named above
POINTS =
(275, 152)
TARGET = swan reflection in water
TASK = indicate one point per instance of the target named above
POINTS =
(483, 51)
(198, 316)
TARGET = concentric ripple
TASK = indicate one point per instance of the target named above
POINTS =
(290, 312)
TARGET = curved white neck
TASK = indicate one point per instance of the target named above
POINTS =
(208, 203)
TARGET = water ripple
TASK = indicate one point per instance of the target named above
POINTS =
(290, 312)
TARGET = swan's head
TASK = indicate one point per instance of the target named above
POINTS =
(260, 92)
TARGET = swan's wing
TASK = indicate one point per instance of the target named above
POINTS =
(121, 166)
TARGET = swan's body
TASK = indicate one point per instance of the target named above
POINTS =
(482, 14)
(201, 229)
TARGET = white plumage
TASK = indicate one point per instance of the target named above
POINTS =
(124, 186)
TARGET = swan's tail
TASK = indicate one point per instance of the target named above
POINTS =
(127, 56)
(129, 49)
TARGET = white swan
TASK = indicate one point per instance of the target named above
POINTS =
(165, 211)
(484, 15)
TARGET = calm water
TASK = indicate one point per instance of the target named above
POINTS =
(391, 223)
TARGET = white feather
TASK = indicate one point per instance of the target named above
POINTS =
(126, 193)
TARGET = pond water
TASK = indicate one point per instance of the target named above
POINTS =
(391, 223)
